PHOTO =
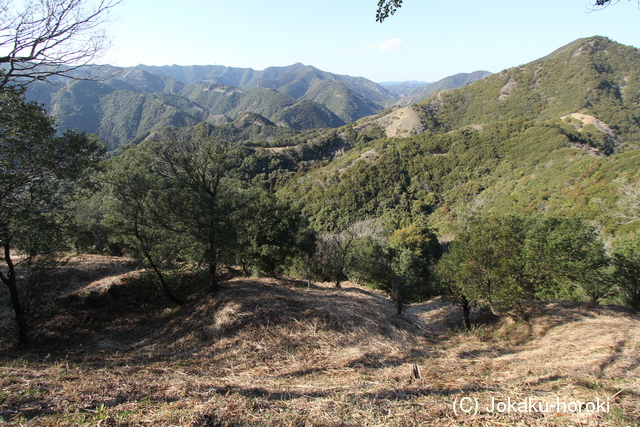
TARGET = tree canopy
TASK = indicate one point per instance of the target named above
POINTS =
(36, 170)
(503, 260)
(387, 8)
(185, 197)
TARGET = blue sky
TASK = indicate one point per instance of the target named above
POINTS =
(426, 39)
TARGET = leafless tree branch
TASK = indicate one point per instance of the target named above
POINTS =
(629, 203)
(44, 38)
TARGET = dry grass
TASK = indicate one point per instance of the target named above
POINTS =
(267, 352)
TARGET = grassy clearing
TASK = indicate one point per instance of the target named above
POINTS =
(267, 352)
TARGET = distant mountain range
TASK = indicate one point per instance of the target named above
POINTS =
(411, 92)
(135, 101)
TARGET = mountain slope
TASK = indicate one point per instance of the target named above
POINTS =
(215, 94)
(452, 82)
(272, 77)
(557, 135)
(359, 97)
(594, 76)
(306, 114)
(112, 108)
(341, 100)
(138, 80)
(127, 116)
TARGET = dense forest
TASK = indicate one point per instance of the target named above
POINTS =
(522, 186)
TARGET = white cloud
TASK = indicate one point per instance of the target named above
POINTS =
(372, 46)
(391, 45)
(350, 52)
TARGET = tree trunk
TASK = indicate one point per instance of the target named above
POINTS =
(21, 313)
(165, 287)
(23, 329)
(466, 312)
(522, 314)
(493, 308)
(213, 278)
(245, 269)
(163, 283)
(634, 299)
(399, 306)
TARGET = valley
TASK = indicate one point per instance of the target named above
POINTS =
(126, 105)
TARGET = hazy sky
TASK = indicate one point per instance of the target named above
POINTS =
(426, 39)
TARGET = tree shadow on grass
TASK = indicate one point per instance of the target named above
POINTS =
(390, 394)
(487, 352)
(133, 323)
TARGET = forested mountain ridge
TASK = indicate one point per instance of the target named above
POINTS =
(594, 76)
(129, 106)
(132, 102)
(412, 92)
(294, 80)
(557, 135)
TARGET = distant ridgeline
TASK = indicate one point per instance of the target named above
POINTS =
(281, 101)
(558, 135)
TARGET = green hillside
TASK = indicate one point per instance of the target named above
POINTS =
(341, 100)
(215, 94)
(215, 98)
(138, 80)
(263, 101)
(308, 115)
(348, 98)
(558, 135)
(127, 117)
(410, 94)
(76, 105)
(112, 108)
(279, 78)
(297, 80)
(594, 76)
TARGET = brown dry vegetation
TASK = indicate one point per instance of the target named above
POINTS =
(267, 352)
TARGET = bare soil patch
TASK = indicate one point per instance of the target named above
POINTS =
(402, 122)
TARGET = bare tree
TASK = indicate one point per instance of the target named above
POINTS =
(629, 203)
(333, 254)
(44, 38)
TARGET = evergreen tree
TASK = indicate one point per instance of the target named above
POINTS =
(37, 169)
